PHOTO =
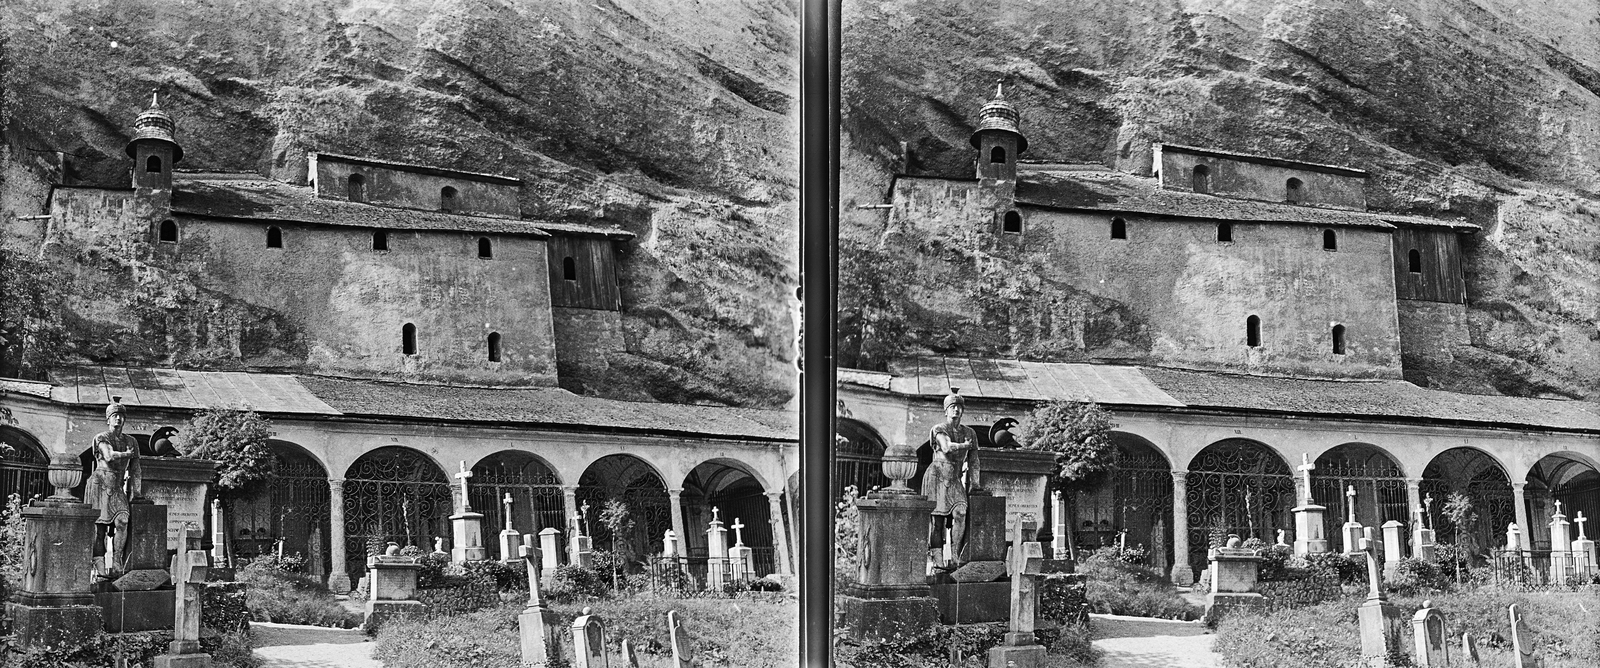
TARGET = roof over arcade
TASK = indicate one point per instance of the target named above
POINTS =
(1182, 389)
(316, 396)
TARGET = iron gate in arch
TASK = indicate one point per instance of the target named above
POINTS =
(393, 494)
(857, 459)
(1237, 486)
(292, 507)
(1476, 475)
(536, 500)
(1136, 498)
(644, 493)
(1380, 490)
(24, 472)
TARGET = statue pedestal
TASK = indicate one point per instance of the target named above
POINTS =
(1233, 581)
(55, 606)
(467, 530)
(891, 596)
(180, 485)
(393, 590)
(1308, 536)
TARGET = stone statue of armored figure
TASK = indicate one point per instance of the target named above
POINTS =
(115, 482)
(945, 482)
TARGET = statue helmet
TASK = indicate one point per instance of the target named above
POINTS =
(116, 408)
(954, 399)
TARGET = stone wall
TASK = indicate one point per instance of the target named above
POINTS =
(389, 185)
(1260, 180)
(1170, 293)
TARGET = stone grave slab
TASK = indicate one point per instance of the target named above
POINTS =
(979, 571)
(143, 579)
(986, 529)
(972, 603)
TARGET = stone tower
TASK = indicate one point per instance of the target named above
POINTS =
(154, 148)
(998, 139)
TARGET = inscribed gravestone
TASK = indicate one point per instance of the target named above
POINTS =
(589, 641)
(1428, 634)
(682, 651)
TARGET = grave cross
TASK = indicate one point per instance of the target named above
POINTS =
(1558, 509)
(465, 473)
(1375, 586)
(507, 502)
(1305, 468)
(189, 574)
(738, 536)
(714, 514)
(1579, 520)
(1350, 494)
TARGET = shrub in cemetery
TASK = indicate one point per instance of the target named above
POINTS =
(497, 574)
(12, 533)
(1275, 563)
(1118, 587)
(435, 568)
(1348, 571)
(846, 561)
(224, 607)
(570, 583)
(237, 440)
(459, 596)
(1062, 600)
(230, 650)
(274, 595)
(288, 563)
(1417, 575)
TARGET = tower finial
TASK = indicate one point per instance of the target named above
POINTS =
(155, 102)
(999, 90)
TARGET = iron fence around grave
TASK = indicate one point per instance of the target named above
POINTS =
(687, 575)
(1538, 568)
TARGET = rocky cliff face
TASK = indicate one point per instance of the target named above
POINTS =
(672, 120)
(1486, 109)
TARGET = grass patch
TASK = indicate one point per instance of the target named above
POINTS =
(964, 646)
(282, 597)
(1562, 625)
(725, 632)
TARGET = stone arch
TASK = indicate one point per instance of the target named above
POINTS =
(858, 459)
(1569, 477)
(292, 507)
(1237, 486)
(1136, 498)
(393, 494)
(24, 471)
(1481, 477)
(1379, 482)
(738, 493)
(633, 481)
(535, 489)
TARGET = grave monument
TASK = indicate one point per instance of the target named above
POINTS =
(1583, 549)
(189, 572)
(466, 527)
(1379, 620)
(55, 605)
(1422, 536)
(1560, 546)
(510, 540)
(1308, 534)
(945, 483)
(717, 571)
(1352, 530)
(589, 641)
(1234, 570)
(541, 639)
(891, 593)
(1021, 648)
(1428, 634)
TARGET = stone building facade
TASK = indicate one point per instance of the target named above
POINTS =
(398, 323)
(1238, 315)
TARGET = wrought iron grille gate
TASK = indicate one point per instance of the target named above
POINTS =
(1380, 492)
(1476, 475)
(1237, 487)
(1137, 498)
(293, 507)
(25, 471)
(648, 505)
(393, 494)
(536, 502)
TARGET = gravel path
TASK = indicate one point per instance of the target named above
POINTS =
(295, 646)
(1141, 642)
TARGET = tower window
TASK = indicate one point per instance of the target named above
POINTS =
(494, 346)
(1291, 190)
(1252, 331)
(1338, 339)
(1201, 181)
(408, 339)
(1225, 232)
(380, 240)
(274, 237)
(1119, 228)
(169, 232)
(152, 164)
(1415, 261)
(569, 269)
(1330, 241)
(1012, 223)
(447, 199)
(997, 155)
(356, 188)
(485, 248)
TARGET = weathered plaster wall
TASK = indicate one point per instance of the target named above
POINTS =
(1252, 180)
(324, 302)
(404, 188)
(1064, 290)
(586, 340)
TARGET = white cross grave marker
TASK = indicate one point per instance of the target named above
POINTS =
(462, 476)
(1351, 495)
(738, 536)
(1579, 520)
(507, 502)
(714, 514)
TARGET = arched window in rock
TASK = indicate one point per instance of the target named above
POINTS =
(169, 232)
(997, 155)
(569, 269)
(1224, 232)
(1330, 240)
(356, 188)
(1414, 261)
(380, 240)
(1200, 182)
(1338, 339)
(1252, 331)
(274, 237)
(1292, 190)
(1012, 223)
(152, 164)
(1119, 228)
(494, 346)
(485, 248)
(408, 339)
(447, 199)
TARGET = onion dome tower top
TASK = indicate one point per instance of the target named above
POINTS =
(999, 116)
(154, 125)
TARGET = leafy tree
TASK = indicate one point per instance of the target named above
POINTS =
(1080, 435)
(11, 540)
(618, 519)
(1463, 518)
(236, 439)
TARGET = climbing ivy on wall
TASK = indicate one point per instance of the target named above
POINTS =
(32, 335)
